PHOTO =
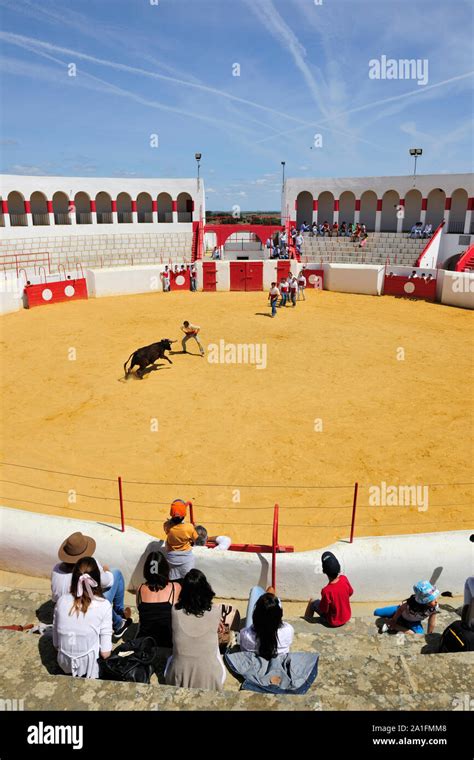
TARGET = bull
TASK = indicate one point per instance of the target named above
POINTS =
(147, 355)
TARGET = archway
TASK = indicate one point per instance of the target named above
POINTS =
(82, 202)
(304, 208)
(103, 207)
(16, 209)
(390, 202)
(457, 215)
(61, 208)
(39, 208)
(144, 207)
(185, 207)
(124, 208)
(435, 207)
(346, 207)
(412, 209)
(325, 207)
(165, 208)
(368, 209)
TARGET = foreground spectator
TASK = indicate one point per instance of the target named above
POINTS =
(155, 599)
(416, 230)
(196, 662)
(427, 231)
(180, 537)
(265, 633)
(408, 616)
(82, 623)
(75, 547)
(334, 606)
(222, 542)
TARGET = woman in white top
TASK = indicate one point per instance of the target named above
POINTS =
(82, 623)
(267, 636)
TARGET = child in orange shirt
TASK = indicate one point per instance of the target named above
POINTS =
(180, 538)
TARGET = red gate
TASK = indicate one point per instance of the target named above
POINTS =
(209, 276)
(246, 275)
(55, 292)
(283, 269)
(180, 280)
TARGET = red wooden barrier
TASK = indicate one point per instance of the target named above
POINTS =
(55, 292)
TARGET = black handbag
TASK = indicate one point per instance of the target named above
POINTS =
(131, 661)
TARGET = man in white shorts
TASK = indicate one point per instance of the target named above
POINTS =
(191, 331)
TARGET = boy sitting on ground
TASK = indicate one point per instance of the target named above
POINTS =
(334, 607)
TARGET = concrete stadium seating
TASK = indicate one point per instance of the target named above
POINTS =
(398, 248)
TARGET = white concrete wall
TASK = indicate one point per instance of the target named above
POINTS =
(124, 280)
(457, 289)
(450, 246)
(223, 275)
(378, 568)
(11, 291)
(349, 278)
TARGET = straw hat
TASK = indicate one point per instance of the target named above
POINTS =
(75, 547)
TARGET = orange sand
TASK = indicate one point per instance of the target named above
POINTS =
(333, 358)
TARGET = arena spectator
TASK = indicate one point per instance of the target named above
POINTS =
(335, 229)
(356, 233)
(276, 251)
(427, 231)
(334, 606)
(75, 547)
(408, 616)
(299, 240)
(301, 286)
(429, 277)
(416, 230)
(265, 633)
(165, 277)
(314, 229)
(321, 230)
(222, 542)
(343, 229)
(216, 253)
(293, 233)
(180, 537)
(269, 246)
(273, 297)
(155, 599)
(196, 662)
(326, 229)
(413, 275)
(82, 622)
(193, 277)
(350, 230)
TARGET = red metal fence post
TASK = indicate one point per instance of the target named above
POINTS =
(191, 512)
(122, 518)
(274, 543)
(354, 508)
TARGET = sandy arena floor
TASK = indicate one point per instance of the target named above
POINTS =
(228, 428)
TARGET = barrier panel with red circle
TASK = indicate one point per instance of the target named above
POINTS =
(410, 287)
(55, 292)
(180, 280)
(314, 278)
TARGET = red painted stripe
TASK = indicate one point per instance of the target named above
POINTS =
(401, 202)
(424, 204)
(336, 204)
(5, 207)
(470, 204)
(49, 206)
(315, 205)
(174, 205)
(71, 205)
(357, 204)
(27, 207)
(447, 205)
(154, 206)
(113, 205)
(134, 205)
(92, 205)
(379, 204)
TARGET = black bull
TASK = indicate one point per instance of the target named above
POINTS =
(148, 355)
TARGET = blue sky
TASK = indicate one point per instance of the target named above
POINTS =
(167, 69)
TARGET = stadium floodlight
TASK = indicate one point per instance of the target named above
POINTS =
(415, 152)
(198, 157)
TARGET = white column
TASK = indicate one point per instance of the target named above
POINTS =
(175, 211)
(6, 214)
(134, 212)
(467, 222)
(72, 213)
(315, 214)
(378, 219)
(336, 213)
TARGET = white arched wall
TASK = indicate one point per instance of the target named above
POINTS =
(413, 201)
(347, 207)
(368, 209)
(325, 208)
(435, 207)
(304, 208)
(390, 202)
(379, 568)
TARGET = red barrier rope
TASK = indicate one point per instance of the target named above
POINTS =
(274, 543)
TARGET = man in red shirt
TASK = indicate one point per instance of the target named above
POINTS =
(334, 607)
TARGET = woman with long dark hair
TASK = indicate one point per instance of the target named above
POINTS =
(196, 661)
(265, 633)
(155, 600)
(82, 623)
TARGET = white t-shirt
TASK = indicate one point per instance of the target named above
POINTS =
(248, 639)
(61, 580)
(80, 638)
(469, 590)
(293, 285)
(274, 292)
(302, 280)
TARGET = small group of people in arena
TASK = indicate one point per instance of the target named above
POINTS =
(176, 610)
(177, 270)
(277, 246)
(290, 289)
(418, 231)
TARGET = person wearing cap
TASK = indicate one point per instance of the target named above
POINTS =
(180, 538)
(75, 547)
(408, 616)
(334, 607)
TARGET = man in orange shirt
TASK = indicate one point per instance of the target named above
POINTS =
(180, 538)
